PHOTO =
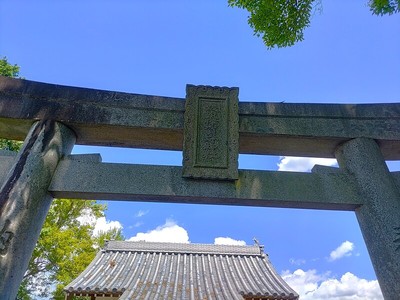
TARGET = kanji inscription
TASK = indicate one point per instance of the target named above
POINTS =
(5, 237)
(211, 133)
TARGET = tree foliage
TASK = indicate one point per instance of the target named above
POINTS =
(65, 247)
(7, 69)
(281, 23)
(384, 7)
(10, 145)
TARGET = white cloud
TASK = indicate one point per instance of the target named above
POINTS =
(297, 261)
(349, 287)
(303, 282)
(87, 217)
(169, 232)
(99, 224)
(228, 241)
(303, 164)
(103, 225)
(137, 224)
(141, 213)
(311, 285)
(345, 249)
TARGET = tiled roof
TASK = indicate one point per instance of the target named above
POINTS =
(182, 248)
(146, 270)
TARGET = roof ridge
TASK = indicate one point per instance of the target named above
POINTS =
(190, 248)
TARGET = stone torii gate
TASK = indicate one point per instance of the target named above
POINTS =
(211, 128)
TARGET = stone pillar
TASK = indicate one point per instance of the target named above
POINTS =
(24, 200)
(379, 216)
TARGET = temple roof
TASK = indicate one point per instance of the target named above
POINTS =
(147, 270)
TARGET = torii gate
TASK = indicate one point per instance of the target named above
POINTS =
(211, 128)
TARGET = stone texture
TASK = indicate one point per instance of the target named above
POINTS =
(379, 216)
(24, 200)
(211, 135)
(253, 188)
(108, 118)
(129, 120)
(6, 163)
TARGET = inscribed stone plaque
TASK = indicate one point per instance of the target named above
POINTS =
(211, 133)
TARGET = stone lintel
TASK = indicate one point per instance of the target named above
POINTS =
(211, 133)
(106, 118)
(321, 169)
(95, 157)
(6, 163)
(110, 181)
(7, 153)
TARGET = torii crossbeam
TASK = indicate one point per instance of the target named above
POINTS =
(52, 118)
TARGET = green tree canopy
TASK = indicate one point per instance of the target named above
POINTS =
(10, 145)
(6, 69)
(281, 23)
(65, 247)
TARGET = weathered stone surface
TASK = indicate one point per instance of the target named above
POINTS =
(319, 169)
(97, 117)
(7, 153)
(379, 216)
(6, 163)
(211, 135)
(142, 121)
(95, 157)
(363, 182)
(253, 188)
(24, 199)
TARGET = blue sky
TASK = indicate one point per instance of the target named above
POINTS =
(157, 47)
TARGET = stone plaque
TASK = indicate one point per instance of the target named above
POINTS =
(211, 133)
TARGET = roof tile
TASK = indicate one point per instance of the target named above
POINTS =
(147, 270)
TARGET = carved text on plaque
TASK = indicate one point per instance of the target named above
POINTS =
(211, 136)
